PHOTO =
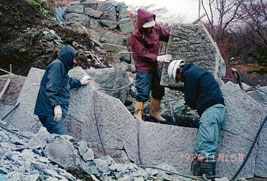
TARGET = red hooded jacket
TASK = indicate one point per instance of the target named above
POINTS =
(145, 46)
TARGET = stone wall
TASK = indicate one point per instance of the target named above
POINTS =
(100, 14)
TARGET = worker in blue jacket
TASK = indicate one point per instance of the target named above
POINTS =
(202, 92)
(53, 98)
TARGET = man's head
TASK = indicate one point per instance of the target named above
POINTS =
(67, 55)
(149, 24)
(146, 20)
(175, 69)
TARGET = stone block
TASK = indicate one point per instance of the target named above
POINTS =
(92, 13)
(192, 43)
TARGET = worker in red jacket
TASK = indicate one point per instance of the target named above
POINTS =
(145, 47)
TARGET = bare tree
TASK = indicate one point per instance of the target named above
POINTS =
(220, 14)
(160, 12)
(253, 15)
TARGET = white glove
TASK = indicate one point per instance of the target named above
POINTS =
(85, 80)
(164, 58)
(57, 113)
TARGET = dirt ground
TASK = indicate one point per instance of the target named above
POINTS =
(15, 17)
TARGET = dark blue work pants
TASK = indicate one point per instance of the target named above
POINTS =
(146, 81)
(53, 126)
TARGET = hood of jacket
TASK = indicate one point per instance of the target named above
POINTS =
(143, 16)
(66, 56)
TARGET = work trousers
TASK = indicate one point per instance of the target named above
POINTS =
(53, 126)
(146, 82)
(211, 122)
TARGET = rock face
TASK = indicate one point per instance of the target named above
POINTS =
(38, 45)
(192, 43)
(151, 143)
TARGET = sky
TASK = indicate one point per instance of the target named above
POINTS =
(187, 10)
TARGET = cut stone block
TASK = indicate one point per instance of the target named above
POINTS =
(192, 43)
(23, 117)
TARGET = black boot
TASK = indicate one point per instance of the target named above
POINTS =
(208, 168)
(195, 167)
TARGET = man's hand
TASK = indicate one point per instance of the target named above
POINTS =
(57, 113)
(164, 58)
(85, 80)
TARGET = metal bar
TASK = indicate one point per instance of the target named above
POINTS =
(11, 111)
(97, 125)
(11, 131)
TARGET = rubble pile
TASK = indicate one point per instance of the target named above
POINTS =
(43, 156)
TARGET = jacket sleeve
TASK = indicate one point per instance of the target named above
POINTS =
(191, 90)
(163, 34)
(141, 51)
(54, 84)
(74, 83)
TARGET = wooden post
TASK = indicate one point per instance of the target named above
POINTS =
(197, 20)
(5, 88)
(199, 2)
(10, 68)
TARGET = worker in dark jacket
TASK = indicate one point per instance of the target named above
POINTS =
(202, 92)
(145, 47)
(54, 93)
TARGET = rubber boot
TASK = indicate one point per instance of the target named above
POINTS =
(195, 167)
(139, 109)
(154, 110)
(208, 168)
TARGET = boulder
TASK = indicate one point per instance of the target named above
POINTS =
(123, 11)
(113, 38)
(111, 14)
(92, 13)
(126, 25)
(75, 9)
(94, 23)
(111, 78)
(77, 18)
(111, 25)
(103, 5)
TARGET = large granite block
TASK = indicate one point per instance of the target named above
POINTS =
(192, 43)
